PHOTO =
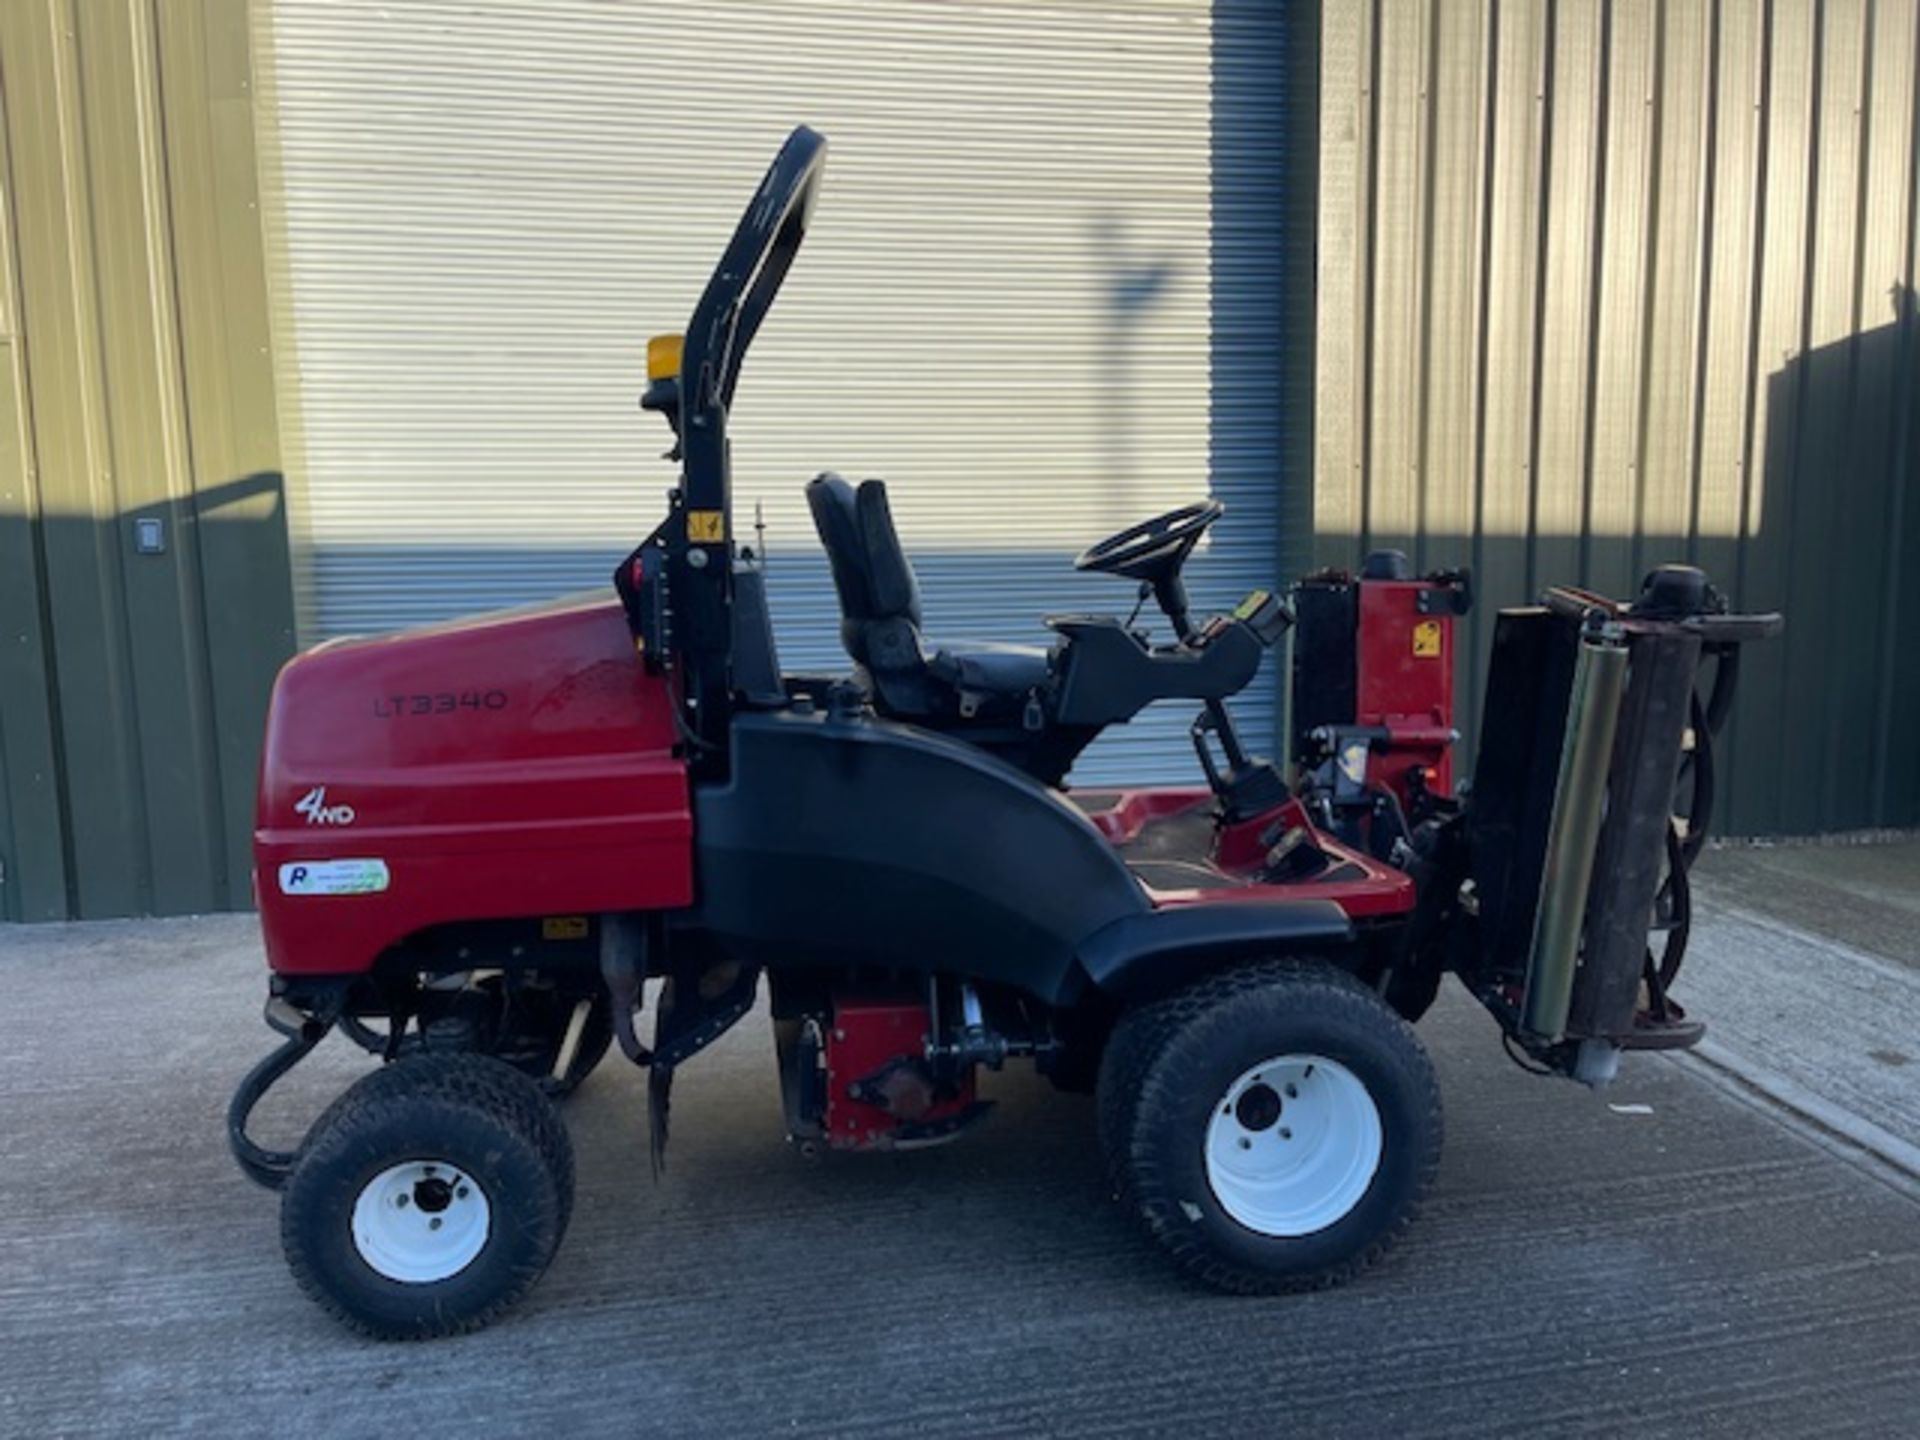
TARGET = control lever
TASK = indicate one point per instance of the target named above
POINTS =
(1249, 787)
(1203, 724)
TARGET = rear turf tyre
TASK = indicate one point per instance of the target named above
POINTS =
(1123, 1067)
(1283, 1127)
(428, 1198)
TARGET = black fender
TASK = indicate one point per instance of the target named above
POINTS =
(848, 840)
(1139, 956)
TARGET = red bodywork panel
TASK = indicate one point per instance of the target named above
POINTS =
(519, 764)
(868, 1036)
(1364, 887)
(1403, 675)
(1120, 815)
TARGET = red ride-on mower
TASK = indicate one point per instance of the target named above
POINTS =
(478, 842)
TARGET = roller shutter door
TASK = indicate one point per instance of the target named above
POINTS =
(1019, 303)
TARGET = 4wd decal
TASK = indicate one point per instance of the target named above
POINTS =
(314, 806)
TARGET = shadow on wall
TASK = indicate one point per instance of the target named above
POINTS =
(133, 735)
(1131, 285)
(1823, 736)
(1829, 710)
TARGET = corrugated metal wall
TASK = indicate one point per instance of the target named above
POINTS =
(1610, 282)
(134, 386)
(1042, 296)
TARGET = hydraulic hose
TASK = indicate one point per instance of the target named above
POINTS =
(1674, 903)
(262, 1165)
(1700, 804)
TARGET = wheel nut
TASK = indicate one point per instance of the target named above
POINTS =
(461, 1193)
(1245, 1144)
(434, 1224)
(401, 1201)
(1285, 1134)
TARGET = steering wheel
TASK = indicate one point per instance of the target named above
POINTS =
(1154, 550)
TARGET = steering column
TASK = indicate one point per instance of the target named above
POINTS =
(1154, 553)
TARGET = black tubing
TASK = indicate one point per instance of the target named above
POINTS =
(1700, 807)
(1676, 891)
(263, 1166)
(1726, 679)
(1679, 895)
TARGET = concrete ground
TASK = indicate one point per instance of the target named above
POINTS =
(1676, 1255)
(1806, 960)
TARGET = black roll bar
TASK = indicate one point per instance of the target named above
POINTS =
(699, 531)
(737, 298)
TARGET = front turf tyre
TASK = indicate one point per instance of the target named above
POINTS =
(428, 1198)
(1282, 1126)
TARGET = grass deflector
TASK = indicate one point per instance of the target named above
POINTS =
(491, 851)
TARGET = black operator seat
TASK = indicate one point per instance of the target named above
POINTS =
(908, 676)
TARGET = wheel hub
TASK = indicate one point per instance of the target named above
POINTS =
(421, 1221)
(1258, 1107)
(1293, 1145)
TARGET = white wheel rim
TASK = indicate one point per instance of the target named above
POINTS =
(421, 1221)
(1293, 1145)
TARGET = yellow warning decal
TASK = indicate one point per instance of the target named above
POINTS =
(706, 527)
(1426, 640)
(564, 927)
(1250, 606)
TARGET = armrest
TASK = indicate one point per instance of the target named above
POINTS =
(1107, 675)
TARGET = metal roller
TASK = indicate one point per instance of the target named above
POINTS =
(1579, 804)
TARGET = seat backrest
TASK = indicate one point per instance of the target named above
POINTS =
(890, 578)
(871, 574)
(836, 518)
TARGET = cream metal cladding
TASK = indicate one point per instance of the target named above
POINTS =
(1610, 282)
(1007, 308)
